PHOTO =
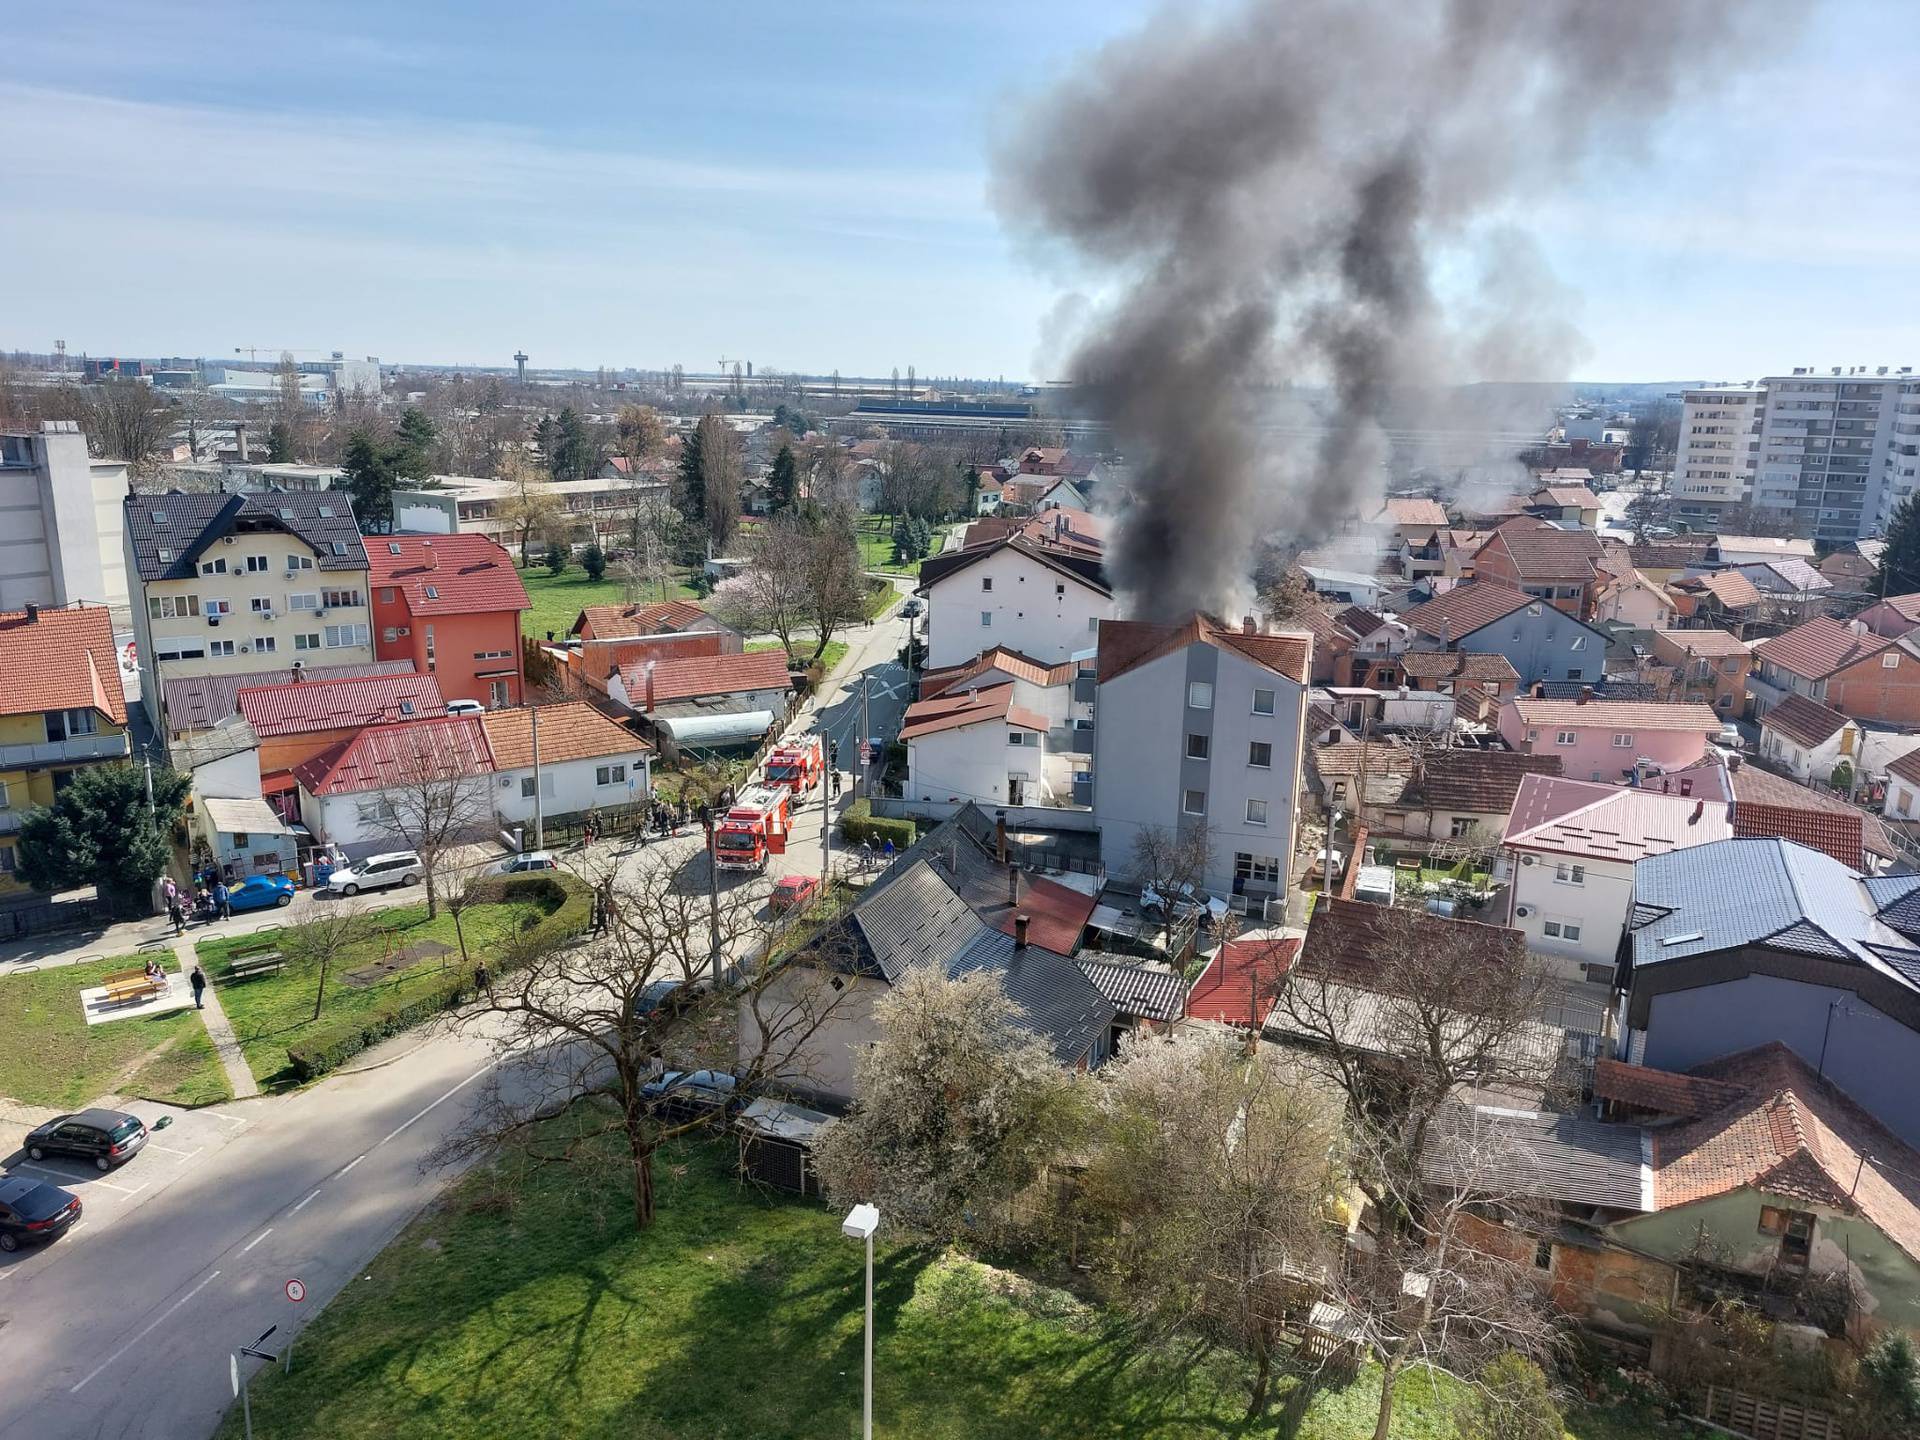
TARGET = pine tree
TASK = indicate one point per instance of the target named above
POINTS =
(593, 560)
(280, 443)
(783, 481)
(100, 831)
(414, 439)
(691, 497)
(1900, 562)
(556, 556)
(370, 475)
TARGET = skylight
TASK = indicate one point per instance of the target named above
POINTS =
(393, 547)
(433, 592)
(406, 707)
(160, 518)
(339, 547)
(286, 512)
(326, 512)
(166, 556)
(1684, 939)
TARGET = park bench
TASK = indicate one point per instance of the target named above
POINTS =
(244, 965)
(125, 985)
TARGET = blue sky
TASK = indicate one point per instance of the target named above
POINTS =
(803, 186)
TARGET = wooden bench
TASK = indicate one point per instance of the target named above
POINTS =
(254, 962)
(124, 985)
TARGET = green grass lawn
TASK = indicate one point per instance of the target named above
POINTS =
(270, 1013)
(49, 1055)
(559, 599)
(738, 1317)
(876, 545)
(835, 652)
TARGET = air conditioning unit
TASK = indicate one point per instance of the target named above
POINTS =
(1522, 912)
(1529, 860)
(229, 540)
(213, 619)
(404, 630)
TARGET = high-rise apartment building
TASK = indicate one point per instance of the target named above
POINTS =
(1713, 466)
(1837, 452)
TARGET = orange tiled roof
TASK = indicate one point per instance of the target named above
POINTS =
(1819, 647)
(467, 574)
(1003, 659)
(1128, 644)
(571, 731)
(968, 707)
(63, 659)
(614, 622)
(698, 675)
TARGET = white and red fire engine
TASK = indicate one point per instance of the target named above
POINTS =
(755, 828)
(797, 764)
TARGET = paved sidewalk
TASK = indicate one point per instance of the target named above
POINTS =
(225, 1043)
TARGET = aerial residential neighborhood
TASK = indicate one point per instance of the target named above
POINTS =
(954, 723)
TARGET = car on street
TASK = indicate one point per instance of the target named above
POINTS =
(911, 609)
(261, 892)
(793, 893)
(105, 1137)
(688, 1094)
(668, 997)
(532, 860)
(397, 867)
(32, 1211)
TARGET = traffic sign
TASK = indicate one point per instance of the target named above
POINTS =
(296, 1292)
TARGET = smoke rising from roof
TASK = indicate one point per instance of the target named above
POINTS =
(1288, 192)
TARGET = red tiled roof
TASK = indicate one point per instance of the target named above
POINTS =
(1907, 607)
(1128, 644)
(306, 705)
(573, 730)
(1768, 805)
(1704, 643)
(615, 622)
(1907, 767)
(1803, 721)
(1543, 552)
(1481, 782)
(1346, 939)
(64, 659)
(1242, 982)
(699, 675)
(1684, 1097)
(968, 707)
(468, 574)
(1002, 659)
(1617, 714)
(1819, 647)
(1466, 608)
(1056, 914)
(382, 757)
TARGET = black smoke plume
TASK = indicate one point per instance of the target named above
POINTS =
(1285, 193)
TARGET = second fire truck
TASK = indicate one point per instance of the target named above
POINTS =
(796, 764)
(753, 829)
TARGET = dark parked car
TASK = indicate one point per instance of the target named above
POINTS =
(911, 609)
(106, 1137)
(669, 996)
(31, 1211)
(685, 1094)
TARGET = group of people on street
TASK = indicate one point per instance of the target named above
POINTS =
(209, 901)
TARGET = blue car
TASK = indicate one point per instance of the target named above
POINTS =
(257, 892)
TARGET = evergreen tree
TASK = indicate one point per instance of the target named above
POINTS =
(370, 467)
(556, 556)
(593, 560)
(690, 497)
(546, 435)
(576, 452)
(1900, 562)
(413, 444)
(99, 831)
(783, 481)
(280, 443)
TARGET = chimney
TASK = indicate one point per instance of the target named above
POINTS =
(1539, 689)
(240, 439)
(1013, 885)
(1586, 694)
(1733, 763)
(428, 558)
(1686, 785)
(1000, 836)
(1247, 625)
(1020, 923)
(649, 674)
(1699, 809)
(33, 613)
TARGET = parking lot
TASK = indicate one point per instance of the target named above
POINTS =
(170, 1155)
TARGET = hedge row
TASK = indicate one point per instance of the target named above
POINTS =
(856, 829)
(328, 1046)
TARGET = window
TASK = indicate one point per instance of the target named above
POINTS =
(339, 636)
(1564, 737)
(1194, 802)
(307, 641)
(386, 594)
(433, 592)
(299, 562)
(1060, 591)
(1890, 661)
(1623, 742)
(256, 564)
(1460, 827)
(1199, 695)
(261, 604)
(309, 600)
(1579, 643)
(610, 775)
(65, 724)
(214, 567)
(1562, 930)
(986, 582)
(1256, 812)
(1568, 874)
(177, 649)
(546, 785)
(1263, 702)
(1260, 754)
(1199, 746)
(218, 648)
(1543, 1255)
(1264, 869)
(172, 607)
(166, 558)
(331, 598)
(986, 619)
(393, 547)
(1016, 737)
(493, 654)
(265, 645)
(374, 812)
(219, 607)
(389, 634)
(339, 547)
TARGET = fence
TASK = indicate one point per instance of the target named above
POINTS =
(1763, 1419)
(19, 921)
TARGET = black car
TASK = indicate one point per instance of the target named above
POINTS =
(691, 1094)
(106, 1137)
(31, 1210)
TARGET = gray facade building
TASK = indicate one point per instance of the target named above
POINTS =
(1486, 617)
(1838, 452)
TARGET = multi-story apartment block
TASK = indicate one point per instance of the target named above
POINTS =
(1838, 452)
(60, 543)
(61, 709)
(229, 583)
(1200, 726)
(1719, 443)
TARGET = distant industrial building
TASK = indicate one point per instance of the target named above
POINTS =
(322, 382)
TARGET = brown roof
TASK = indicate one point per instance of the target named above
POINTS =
(1543, 552)
(1346, 938)
(1359, 621)
(968, 707)
(1480, 781)
(614, 622)
(698, 675)
(1791, 1133)
(60, 660)
(1905, 606)
(1003, 659)
(570, 731)
(1578, 495)
(1676, 553)
(1772, 805)
(1819, 647)
(322, 704)
(1682, 1097)
(447, 748)
(1907, 767)
(1803, 721)
(1732, 589)
(1456, 665)
(1618, 714)
(1466, 608)
(1412, 510)
(1709, 642)
(1128, 644)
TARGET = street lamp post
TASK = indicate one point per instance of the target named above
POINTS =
(860, 1224)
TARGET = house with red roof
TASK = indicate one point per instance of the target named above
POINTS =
(1864, 676)
(297, 720)
(61, 709)
(1201, 724)
(363, 792)
(1242, 982)
(1605, 739)
(1808, 739)
(1894, 616)
(588, 762)
(1548, 563)
(605, 638)
(452, 605)
(1709, 666)
(709, 699)
(981, 744)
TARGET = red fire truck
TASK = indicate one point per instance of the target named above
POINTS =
(754, 829)
(797, 764)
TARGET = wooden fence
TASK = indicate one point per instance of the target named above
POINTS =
(1764, 1419)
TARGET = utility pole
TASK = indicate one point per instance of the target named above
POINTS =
(146, 762)
(539, 819)
(826, 811)
(713, 891)
(866, 754)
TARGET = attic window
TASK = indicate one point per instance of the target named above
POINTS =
(1684, 939)
(339, 547)
(160, 517)
(166, 556)
(433, 592)
(406, 707)
(286, 512)
(326, 512)
(393, 547)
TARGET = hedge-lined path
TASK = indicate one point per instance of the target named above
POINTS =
(225, 1043)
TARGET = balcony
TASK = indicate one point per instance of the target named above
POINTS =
(75, 751)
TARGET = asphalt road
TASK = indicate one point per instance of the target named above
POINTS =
(123, 1327)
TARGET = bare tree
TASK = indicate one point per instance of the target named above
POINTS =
(1169, 862)
(654, 534)
(441, 796)
(771, 594)
(531, 507)
(325, 939)
(836, 591)
(1212, 1181)
(959, 1106)
(127, 421)
(638, 435)
(721, 476)
(590, 1025)
(831, 482)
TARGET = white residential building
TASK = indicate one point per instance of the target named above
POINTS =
(1044, 601)
(1573, 846)
(1719, 442)
(61, 522)
(980, 745)
(1838, 451)
(587, 762)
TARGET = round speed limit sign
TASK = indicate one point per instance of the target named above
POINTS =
(296, 1292)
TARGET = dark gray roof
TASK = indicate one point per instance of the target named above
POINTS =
(195, 702)
(1056, 1000)
(1137, 989)
(916, 919)
(185, 525)
(1602, 689)
(1541, 1155)
(1731, 893)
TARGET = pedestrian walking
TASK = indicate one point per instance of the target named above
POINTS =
(176, 914)
(199, 982)
(221, 903)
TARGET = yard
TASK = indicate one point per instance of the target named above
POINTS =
(559, 599)
(835, 652)
(271, 1013)
(876, 545)
(738, 1315)
(50, 1055)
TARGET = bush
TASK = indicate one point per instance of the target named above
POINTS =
(1512, 1402)
(860, 825)
(1891, 1373)
(556, 557)
(328, 1046)
(593, 560)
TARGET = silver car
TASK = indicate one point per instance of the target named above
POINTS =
(398, 867)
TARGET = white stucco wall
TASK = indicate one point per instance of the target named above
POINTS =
(973, 763)
(1036, 610)
(570, 788)
(1599, 906)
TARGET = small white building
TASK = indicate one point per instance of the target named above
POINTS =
(228, 817)
(1043, 600)
(981, 745)
(1809, 739)
(587, 762)
(1573, 845)
(363, 793)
